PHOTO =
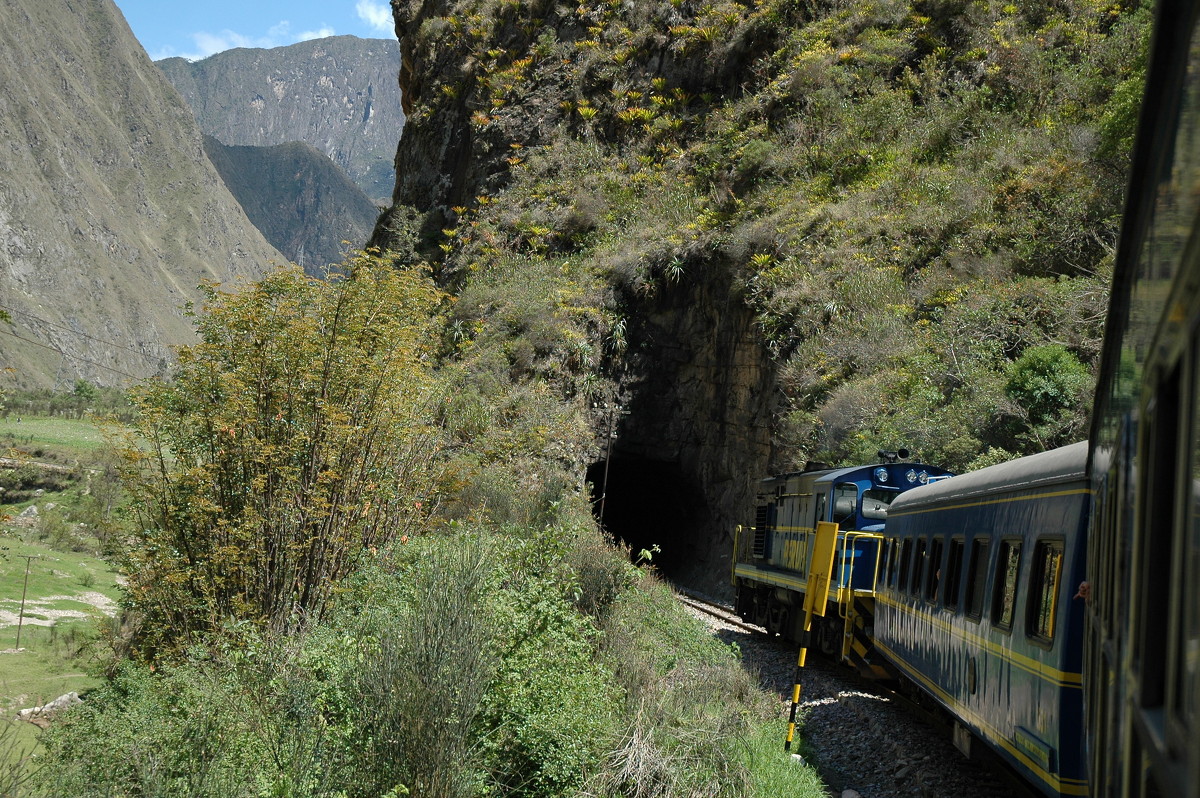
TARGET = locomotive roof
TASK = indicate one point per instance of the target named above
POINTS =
(832, 474)
(1064, 464)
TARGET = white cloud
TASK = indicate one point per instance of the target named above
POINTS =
(277, 35)
(377, 15)
(321, 33)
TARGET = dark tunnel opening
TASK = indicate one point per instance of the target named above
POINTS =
(650, 503)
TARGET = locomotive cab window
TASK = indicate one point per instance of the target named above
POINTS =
(1004, 590)
(977, 578)
(845, 505)
(875, 503)
(954, 568)
(1046, 574)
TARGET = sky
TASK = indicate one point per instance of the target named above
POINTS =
(196, 30)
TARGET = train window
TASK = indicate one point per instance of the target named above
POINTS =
(1004, 590)
(845, 505)
(875, 503)
(905, 563)
(954, 564)
(1043, 595)
(934, 575)
(895, 568)
(918, 569)
(977, 578)
(1187, 646)
(1152, 550)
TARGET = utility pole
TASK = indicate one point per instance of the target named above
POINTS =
(21, 613)
(613, 412)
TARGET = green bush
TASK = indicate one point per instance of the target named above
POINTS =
(549, 715)
(679, 735)
(295, 434)
(426, 666)
(1048, 385)
(454, 664)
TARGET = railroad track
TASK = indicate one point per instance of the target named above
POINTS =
(864, 734)
(716, 610)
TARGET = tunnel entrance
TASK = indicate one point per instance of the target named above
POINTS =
(650, 503)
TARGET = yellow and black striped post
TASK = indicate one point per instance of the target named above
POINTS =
(820, 572)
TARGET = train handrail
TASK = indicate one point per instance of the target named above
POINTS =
(847, 539)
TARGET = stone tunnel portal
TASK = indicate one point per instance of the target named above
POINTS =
(650, 503)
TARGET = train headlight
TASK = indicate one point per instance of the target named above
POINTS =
(923, 477)
(911, 476)
(881, 475)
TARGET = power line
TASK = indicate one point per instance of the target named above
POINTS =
(49, 323)
(78, 358)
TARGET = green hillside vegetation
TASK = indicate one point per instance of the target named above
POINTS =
(328, 597)
(68, 598)
(361, 558)
(918, 200)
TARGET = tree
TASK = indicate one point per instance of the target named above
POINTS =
(292, 437)
(1049, 385)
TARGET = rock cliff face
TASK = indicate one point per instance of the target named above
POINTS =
(697, 384)
(696, 439)
(338, 95)
(302, 203)
(110, 213)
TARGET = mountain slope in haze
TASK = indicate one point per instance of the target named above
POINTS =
(339, 94)
(298, 199)
(110, 213)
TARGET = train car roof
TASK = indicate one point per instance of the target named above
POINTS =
(1064, 464)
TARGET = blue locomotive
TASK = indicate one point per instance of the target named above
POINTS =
(961, 587)
(772, 558)
(975, 606)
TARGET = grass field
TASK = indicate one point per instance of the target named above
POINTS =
(67, 596)
(66, 436)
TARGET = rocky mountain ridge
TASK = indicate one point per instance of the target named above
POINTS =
(337, 94)
(110, 213)
(773, 234)
(304, 204)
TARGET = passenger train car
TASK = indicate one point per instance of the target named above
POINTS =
(974, 605)
(1142, 667)
(771, 560)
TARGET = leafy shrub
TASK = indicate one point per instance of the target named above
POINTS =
(1048, 383)
(549, 715)
(154, 735)
(602, 570)
(293, 435)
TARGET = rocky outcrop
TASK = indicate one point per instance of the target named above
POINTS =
(305, 206)
(43, 715)
(339, 95)
(696, 382)
(110, 213)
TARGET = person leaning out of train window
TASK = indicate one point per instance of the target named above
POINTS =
(1085, 592)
